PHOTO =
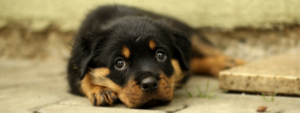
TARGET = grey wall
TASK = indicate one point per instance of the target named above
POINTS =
(226, 14)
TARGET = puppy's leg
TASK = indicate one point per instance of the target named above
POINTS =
(98, 95)
(208, 60)
(213, 65)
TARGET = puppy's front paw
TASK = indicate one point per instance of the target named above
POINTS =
(101, 96)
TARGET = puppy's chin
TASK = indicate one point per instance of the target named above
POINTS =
(155, 102)
(134, 97)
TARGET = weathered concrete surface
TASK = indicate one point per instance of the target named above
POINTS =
(277, 74)
(236, 106)
(85, 109)
(28, 85)
(226, 14)
(41, 87)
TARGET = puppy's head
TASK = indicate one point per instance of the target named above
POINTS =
(138, 58)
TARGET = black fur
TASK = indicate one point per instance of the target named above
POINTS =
(108, 28)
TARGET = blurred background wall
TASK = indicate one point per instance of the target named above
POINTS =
(43, 29)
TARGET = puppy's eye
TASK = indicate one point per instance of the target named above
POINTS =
(120, 63)
(161, 56)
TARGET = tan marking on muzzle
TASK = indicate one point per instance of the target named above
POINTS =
(133, 96)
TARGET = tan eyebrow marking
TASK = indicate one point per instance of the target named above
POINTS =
(152, 44)
(126, 52)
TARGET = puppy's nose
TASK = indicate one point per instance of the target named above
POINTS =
(149, 84)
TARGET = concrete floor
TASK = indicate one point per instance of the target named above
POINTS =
(41, 87)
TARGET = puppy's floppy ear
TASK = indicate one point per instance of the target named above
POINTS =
(83, 52)
(84, 65)
(182, 48)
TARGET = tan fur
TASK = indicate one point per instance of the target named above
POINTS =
(152, 44)
(86, 84)
(178, 74)
(126, 52)
(212, 61)
(92, 90)
(166, 87)
(100, 72)
(99, 78)
(213, 65)
(75, 67)
(133, 96)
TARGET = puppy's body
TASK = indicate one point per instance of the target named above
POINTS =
(137, 56)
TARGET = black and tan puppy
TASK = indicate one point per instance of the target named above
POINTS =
(137, 57)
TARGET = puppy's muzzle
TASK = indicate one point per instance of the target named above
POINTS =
(149, 84)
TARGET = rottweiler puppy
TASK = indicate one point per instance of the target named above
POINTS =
(137, 57)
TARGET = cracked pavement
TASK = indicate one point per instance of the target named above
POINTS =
(41, 87)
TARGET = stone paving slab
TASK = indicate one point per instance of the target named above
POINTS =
(86, 109)
(280, 74)
(41, 87)
(236, 106)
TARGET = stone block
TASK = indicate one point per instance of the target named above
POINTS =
(278, 74)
